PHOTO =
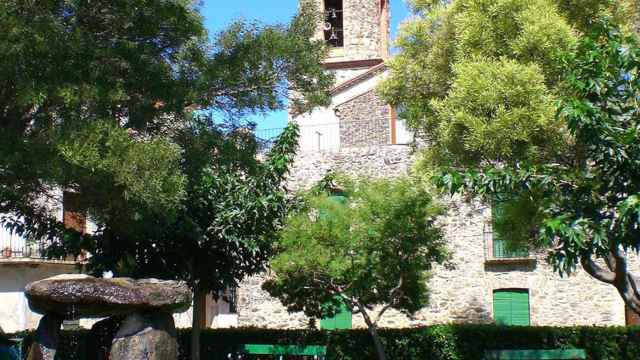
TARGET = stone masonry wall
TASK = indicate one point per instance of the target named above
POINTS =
(463, 293)
(375, 161)
(364, 121)
(257, 309)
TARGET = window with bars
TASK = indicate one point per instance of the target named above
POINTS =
(501, 249)
(232, 299)
(228, 301)
(334, 23)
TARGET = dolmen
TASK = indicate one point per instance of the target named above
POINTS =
(139, 322)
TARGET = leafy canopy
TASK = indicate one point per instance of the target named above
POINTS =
(227, 224)
(373, 245)
(92, 94)
(478, 79)
(495, 111)
(587, 208)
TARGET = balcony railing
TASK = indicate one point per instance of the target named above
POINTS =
(13, 246)
(343, 134)
(497, 250)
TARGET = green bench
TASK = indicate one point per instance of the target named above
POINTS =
(555, 354)
(317, 351)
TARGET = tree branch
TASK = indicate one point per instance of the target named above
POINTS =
(597, 271)
(393, 293)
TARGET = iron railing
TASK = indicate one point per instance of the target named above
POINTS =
(337, 135)
(267, 137)
(14, 246)
(498, 249)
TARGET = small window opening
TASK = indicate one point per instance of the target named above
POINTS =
(228, 301)
(333, 23)
(73, 215)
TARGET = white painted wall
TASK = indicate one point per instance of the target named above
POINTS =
(404, 135)
(218, 315)
(15, 314)
(342, 75)
(320, 129)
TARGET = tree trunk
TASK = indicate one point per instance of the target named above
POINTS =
(617, 274)
(198, 312)
(373, 330)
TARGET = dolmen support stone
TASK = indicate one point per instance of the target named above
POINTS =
(46, 341)
(147, 331)
(145, 336)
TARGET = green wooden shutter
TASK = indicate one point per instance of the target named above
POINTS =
(342, 320)
(500, 247)
(502, 307)
(511, 307)
(499, 244)
(520, 308)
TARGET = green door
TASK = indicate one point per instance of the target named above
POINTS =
(511, 307)
(342, 320)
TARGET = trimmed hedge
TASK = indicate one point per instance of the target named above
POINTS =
(440, 342)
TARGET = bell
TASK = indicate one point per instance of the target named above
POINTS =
(333, 36)
(333, 13)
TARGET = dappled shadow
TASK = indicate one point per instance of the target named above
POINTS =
(475, 312)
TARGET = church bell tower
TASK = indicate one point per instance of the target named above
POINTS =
(357, 32)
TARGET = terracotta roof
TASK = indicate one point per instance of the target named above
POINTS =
(351, 64)
(358, 79)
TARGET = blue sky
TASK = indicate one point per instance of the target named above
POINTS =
(220, 13)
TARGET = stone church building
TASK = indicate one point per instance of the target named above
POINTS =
(359, 134)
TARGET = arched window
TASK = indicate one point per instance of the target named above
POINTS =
(333, 23)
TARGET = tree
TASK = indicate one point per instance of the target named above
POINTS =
(478, 79)
(101, 97)
(586, 210)
(91, 90)
(224, 229)
(372, 246)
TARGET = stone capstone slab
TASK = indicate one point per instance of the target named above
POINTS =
(76, 296)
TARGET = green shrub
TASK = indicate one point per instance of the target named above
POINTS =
(440, 342)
